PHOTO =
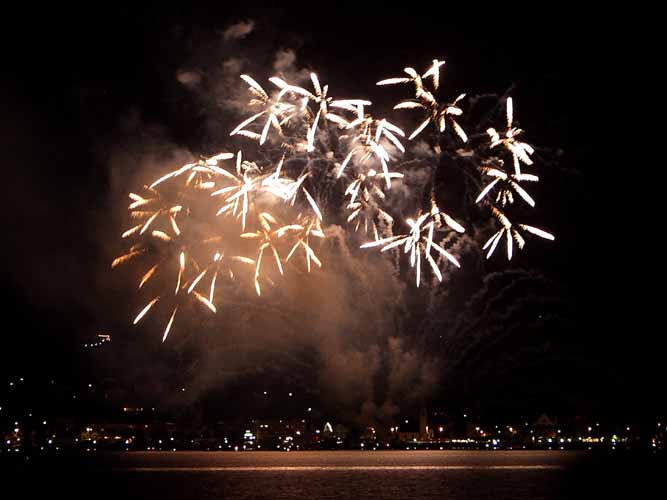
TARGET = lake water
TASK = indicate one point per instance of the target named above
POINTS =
(416, 475)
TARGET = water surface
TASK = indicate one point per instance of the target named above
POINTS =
(415, 475)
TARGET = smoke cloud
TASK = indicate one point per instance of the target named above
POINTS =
(352, 338)
(239, 30)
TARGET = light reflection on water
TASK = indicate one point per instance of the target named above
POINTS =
(301, 468)
(418, 475)
(395, 475)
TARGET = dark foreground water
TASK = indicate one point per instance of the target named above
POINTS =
(417, 475)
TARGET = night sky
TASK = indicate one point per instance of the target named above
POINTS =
(85, 89)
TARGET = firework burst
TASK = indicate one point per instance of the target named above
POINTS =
(520, 151)
(436, 113)
(217, 219)
(420, 242)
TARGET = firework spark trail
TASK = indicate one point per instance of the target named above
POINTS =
(324, 141)
(511, 234)
(420, 241)
(509, 183)
(365, 201)
(305, 229)
(520, 150)
(436, 113)
(267, 240)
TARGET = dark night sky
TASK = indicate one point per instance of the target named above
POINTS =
(74, 79)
